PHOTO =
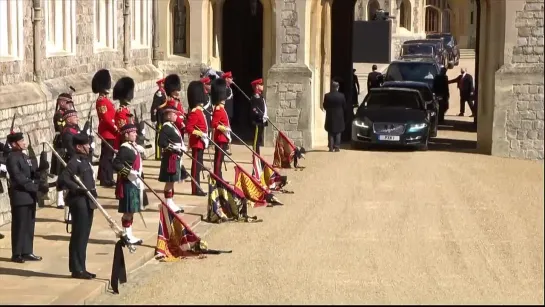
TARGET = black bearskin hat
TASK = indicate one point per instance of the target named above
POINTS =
(195, 94)
(102, 81)
(124, 89)
(218, 92)
(172, 84)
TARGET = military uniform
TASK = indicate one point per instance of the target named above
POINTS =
(258, 115)
(24, 186)
(229, 107)
(220, 123)
(124, 92)
(129, 189)
(208, 106)
(81, 206)
(197, 129)
(159, 98)
(58, 124)
(101, 84)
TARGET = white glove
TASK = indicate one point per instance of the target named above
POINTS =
(265, 118)
(132, 175)
(139, 148)
(183, 148)
(204, 136)
(3, 168)
(93, 145)
(144, 130)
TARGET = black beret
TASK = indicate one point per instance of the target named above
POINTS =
(15, 137)
(172, 84)
(69, 113)
(218, 91)
(124, 89)
(195, 94)
(102, 81)
(80, 139)
(128, 128)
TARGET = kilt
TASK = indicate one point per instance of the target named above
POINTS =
(164, 175)
(130, 203)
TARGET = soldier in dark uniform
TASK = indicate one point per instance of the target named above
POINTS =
(172, 145)
(81, 206)
(64, 103)
(197, 129)
(70, 129)
(128, 165)
(159, 98)
(24, 185)
(258, 114)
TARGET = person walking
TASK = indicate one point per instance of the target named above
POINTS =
(441, 91)
(334, 105)
(465, 85)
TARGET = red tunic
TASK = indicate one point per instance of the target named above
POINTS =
(180, 121)
(122, 117)
(196, 119)
(220, 118)
(106, 114)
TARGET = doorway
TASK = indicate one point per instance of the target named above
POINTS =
(242, 54)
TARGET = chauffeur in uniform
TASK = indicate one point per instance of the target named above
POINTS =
(258, 114)
(81, 206)
(101, 85)
(24, 184)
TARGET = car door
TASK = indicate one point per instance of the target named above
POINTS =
(432, 106)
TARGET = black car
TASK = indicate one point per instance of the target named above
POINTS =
(450, 44)
(432, 103)
(392, 116)
(418, 69)
(438, 45)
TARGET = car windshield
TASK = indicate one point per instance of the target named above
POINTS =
(392, 99)
(416, 49)
(446, 38)
(412, 71)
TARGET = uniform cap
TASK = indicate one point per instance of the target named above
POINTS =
(195, 94)
(218, 91)
(69, 113)
(172, 84)
(129, 128)
(124, 89)
(15, 137)
(205, 80)
(257, 82)
(102, 81)
(80, 139)
(227, 74)
(65, 97)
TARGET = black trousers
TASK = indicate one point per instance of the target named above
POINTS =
(82, 220)
(258, 138)
(105, 164)
(333, 140)
(197, 155)
(463, 100)
(219, 156)
(443, 108)
(22, 229)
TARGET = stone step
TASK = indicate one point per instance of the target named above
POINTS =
(467, 54)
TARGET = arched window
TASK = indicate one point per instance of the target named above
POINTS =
(180, 27)
(446, 20)
(372, 7)
(432, 19)
(405, 14)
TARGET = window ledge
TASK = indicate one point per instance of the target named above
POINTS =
(101, 49)
(10, 59)
(59, 53)
(136, 46)
(179, 58)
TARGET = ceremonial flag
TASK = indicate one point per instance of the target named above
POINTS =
(284, 151)
(251, 187)
(175, 239)
(267, 175)
(225, 202)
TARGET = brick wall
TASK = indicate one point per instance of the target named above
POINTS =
(529, 22)
(290, 32)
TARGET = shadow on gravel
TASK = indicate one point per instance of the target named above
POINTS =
(27, 273)
(67, 238)
(457, 125)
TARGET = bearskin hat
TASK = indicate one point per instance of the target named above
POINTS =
(102, 81)
(172, 84)
(124, 89)
(218, 91)
(195, 94)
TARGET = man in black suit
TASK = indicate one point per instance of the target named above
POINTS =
(441, 90)
(374, 79)
(334, 105)
(355, 88)
(465, 84)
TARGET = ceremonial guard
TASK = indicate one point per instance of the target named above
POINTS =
(70, 130)
(197, 128)
(159, 98)
(124, 92)
(172, 146)
(173, 86)
(24, 185)
(258, 113)
(81, 206)
(220, 122)
(101, 85)
(129, 189)
(229, 107)
(64, 103)
(208, 106)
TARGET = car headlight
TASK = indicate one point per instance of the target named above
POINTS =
(360, 124)
(417, 127)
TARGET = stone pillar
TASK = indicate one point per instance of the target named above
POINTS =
(198, 27)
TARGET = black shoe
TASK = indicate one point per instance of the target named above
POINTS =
(81, 275)
(460, 114)
(32, 257)
(330, 149)
(18, 259)
(93, 275)
(337, 150)
(200, 193)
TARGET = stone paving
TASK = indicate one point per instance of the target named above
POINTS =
(49, 282)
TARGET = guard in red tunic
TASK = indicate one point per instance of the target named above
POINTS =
(197, 129)
(101, 85)
(208, 107)
(159, 98)
(124, 92)
(229, 102)
(220, 122)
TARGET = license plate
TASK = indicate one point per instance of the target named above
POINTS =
(388, 137)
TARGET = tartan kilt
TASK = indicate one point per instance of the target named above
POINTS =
(130, 203)
(164, 175)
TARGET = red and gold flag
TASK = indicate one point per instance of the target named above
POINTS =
(284, 151)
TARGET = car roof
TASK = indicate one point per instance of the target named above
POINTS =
(410, 84)
(438, 34)
(420, 58)
(393, 89)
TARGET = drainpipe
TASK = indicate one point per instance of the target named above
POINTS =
(126, 32)
(38, 37)
(155, 33)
